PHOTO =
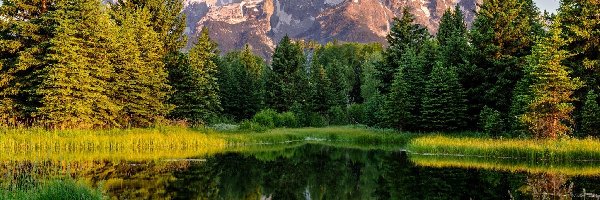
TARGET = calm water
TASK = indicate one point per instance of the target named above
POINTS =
(308, 172)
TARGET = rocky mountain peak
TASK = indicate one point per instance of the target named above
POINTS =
(262, 23)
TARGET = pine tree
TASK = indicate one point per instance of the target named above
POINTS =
(196, 83)
(444, 103)
(23, 41)
(287, 82)
(580, 24)
(413, 78)
(75, 88)
(590, 124)
(456, 51)
(403, 34)
(241, 83)
(141, 79)
(503, 34)
(373, 100)
(166, 19)
(397, 106)
(321, 92)
(551, 89)
(340, 86)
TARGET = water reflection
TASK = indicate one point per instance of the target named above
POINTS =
(304, 172)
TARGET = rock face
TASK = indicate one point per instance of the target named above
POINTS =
(262, 23)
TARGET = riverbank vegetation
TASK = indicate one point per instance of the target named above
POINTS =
(57, 189)
(514, 72)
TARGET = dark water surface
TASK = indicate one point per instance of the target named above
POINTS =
(306, 172)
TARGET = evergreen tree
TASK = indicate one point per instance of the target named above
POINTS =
(25, 31)
(403, 34)
(413, 78)
(551, 89)
(321, 95)
(373, 100)
(444, 103)
(456, 51)
(340, 86)
(397, 106)
(590, 124)
(75, 88)
(503, 34)
(195, 81)
(241, 83)
(287, 82)
(166, 19)
(580, 24)
(140, 85)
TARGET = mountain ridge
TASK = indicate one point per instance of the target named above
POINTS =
(262, 23)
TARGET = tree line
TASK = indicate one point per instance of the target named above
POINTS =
(515, 71)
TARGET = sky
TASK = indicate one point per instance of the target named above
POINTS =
(549, 5)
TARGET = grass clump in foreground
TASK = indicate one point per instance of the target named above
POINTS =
(54, 190)
(528, 149)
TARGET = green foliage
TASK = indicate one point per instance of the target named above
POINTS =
(580, 23)
(338, 115)
(590, 123)
(456, 51)
(503, 33)
(195, 82)
(491, 121)
(266, 118)
(287, 82)
(287, 120)
(357, 113)
(321, 92)
(241, 83)
(317, 120)
(250, 125)
(397, 106)
(444, 103)
(550, 107)
(56, 190)
(23, 45)
(374, 101)
(74, 89)
(140, 75)
(404, 34)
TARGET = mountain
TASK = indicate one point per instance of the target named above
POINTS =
(262, 23)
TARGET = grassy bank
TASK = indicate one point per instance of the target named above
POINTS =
(572, 168)
(174, 142)
(130, 144)
(178, 142)
(523, 149)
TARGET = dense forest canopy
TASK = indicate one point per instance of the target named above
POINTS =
(516, 72)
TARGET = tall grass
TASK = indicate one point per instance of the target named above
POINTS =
(527, 149)
(509, 165)
(54, 190)
(122, 144)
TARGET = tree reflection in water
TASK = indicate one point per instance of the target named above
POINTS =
(304, 172)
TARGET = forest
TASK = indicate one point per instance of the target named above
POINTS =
(515, 72)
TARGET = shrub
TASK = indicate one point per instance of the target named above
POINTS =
(266, 118)
(491, 121)
(287, 119)
(252, 126)
(356, 114)
(338, 116)
(317, 120)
